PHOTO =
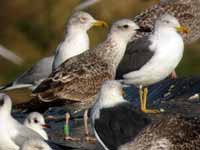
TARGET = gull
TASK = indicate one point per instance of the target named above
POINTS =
(167, 47)
(78, 79)
(186, 11)
(36, 122)
(13, 133)
(75, 42)
(118, 126)
(76, 39)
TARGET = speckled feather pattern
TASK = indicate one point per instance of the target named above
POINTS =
(187, 12)
(80, 78)
(77, 79)
(175, 133)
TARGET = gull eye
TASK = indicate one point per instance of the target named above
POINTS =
(166, 21)
(35, 120)
(125, 26)
(83, 19)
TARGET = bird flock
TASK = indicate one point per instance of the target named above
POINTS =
(140, 52)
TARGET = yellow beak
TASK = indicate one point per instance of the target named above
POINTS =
(99, 23)
(182, 29)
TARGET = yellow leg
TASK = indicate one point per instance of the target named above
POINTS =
(144, 107)
(141, 98)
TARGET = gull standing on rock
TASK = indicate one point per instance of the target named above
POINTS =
(118, 126)
(78, 79)
(167, 47)
(187, 13)
(36, 122)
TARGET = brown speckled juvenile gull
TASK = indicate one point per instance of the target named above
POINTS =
(79, 78)
(186, 11)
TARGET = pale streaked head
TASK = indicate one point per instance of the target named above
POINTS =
(83, 21)
(124, 29)
(111, 93)
(170, 22)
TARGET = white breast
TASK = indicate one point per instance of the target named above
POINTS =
(168, 52)
(73, 45)
(7, 133)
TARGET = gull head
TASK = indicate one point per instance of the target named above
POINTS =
(111, 93)
(84, 21)
(35, 120)
(5, 104)
(124, 29)
(170, 22)
(35, 144)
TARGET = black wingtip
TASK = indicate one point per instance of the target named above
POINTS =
(6, 86)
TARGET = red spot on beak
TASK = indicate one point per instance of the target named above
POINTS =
(46, 126)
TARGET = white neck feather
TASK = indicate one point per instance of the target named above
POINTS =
(75, 43)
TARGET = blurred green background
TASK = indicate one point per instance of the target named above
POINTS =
(33, 28)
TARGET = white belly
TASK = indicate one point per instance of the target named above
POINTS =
(164, 61)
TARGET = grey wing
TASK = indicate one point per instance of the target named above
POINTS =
(37, 72)
(137, 54)
(25, 134)
(56, 54)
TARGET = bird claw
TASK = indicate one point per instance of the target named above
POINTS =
(152, 111)
(69, 138)
(90, 139)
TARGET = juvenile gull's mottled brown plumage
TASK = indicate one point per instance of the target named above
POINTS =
(173, 133)
(76, 79)
(79, 78)
(186, 11)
